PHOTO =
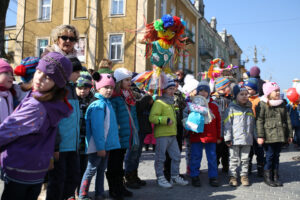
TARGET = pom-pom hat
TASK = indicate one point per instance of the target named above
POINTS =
(269, 87)
(221, 83)
(27, 68)
(121, 74)
(102, 80)
(190, 84)
(5, 67)
(84, 80)
(57, 67)
(254, 71)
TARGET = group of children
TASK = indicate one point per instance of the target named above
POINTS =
(81, 125)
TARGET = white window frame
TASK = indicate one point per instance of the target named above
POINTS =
(39, 17)
(79, 56)
(173, 10)
(194, 32)
(121, 60)
(86, 12)
(186, 60)
(163, 7)
(111, 9)
(38, 47)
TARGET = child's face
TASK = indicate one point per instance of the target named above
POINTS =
(6, 79)
(106, 91)
(275, 95)
(170, 91)
(126, 84)
(74, 76)
(193, 93)
(203, 93)
(251, 91)
(242, 97)
(82, 92)
(41, 82)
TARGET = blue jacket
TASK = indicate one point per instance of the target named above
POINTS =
(95, 126)
(294, 115)
(123, 120)
(68, 128)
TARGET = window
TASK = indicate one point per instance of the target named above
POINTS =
(180, 64)
(193, 64)
(81, 50)
(41, 46)
(117, 7)
(6, 43)
(173, 10)
(115, 47)
(193, 32)
(80, 9)
(45, 10)
(163, 7)
(186, 60)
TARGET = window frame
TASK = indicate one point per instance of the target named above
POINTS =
(6, 43)
(163, 7)
(180, 62)
(121, 60)
(73, 10)
(111, 9)
(39, 17)
(37, 51)
(186, 60)
(173, 10)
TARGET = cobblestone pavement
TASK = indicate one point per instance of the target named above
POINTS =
(289, 174)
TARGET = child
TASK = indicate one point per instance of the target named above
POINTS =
(150, 139)
(163, 117)
(27, 136)
(85, 97)
(251, 85)
(223, 98)
(210, 136)
(238, 134)
(123, 103)
(6, 96)
(102, 134)
(273, 129)
(65, 177)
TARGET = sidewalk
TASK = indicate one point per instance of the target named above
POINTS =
(289, 172)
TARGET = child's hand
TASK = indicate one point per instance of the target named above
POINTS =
(228, 143)
(219, 141)
(101, 153)
(260, 141)
(170, 122)
(290, 140)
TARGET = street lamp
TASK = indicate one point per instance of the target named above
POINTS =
(255, 57)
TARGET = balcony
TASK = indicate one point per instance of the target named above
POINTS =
(206, 52)
(233, 54)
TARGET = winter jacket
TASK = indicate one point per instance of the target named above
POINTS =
(101, 126)
(6, 104)
(69, 127)
(143, 108)
(159, 115)
(123, 120)
(254, 101)
(273, 122)
(212, 131)
(294, 115)
(27, 139)
(239, 124)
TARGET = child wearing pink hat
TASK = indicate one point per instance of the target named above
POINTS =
(273, 129)
(6, 83)
(101, 135)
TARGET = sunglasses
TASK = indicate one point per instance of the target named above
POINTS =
(65, 38)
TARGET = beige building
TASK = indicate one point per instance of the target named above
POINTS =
(108, 29)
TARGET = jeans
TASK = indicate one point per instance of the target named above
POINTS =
(17, 191)
(65, 176)
(239, 153)
(132, 158)
(196, 157)
(272, 151)
(259, 152)
(96, 164)
(297, 136)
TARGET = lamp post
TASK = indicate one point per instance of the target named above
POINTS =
(255, 57)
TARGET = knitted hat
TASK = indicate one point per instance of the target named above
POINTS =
(27, 68)
(221, 83)
(251, 82)
(190, 84)
(5, 67)
(75, 63)
(105, 63)
(237, 89)
(57, 67)
(84, 80)
(269, 87)
(203, 85)
(170, 83)
(122, 73)
(254, 71)
(102, 80)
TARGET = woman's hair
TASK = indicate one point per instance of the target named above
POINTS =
(56, 32)
(55, 94)
(118, 87)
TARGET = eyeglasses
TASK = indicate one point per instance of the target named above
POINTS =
(65, 38)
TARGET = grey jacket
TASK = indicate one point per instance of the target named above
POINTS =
(239, 124)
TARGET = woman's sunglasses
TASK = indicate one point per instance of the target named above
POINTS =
(65, 38)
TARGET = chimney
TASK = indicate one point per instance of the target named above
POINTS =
(199, 5)
(213, 23)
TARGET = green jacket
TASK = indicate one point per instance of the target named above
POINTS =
(159, 115)
(273, 123)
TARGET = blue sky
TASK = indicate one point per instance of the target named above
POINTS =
(272, 25)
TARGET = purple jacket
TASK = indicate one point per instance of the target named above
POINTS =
(27, 139)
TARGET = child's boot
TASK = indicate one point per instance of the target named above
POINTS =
(245, 180)
(276, 178)
(196, 181)
(162, 182)
(213, 182)
(233, 181)
(178, 180)
(268, 178)
(131, 181)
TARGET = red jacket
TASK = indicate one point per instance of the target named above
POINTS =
(212, 131)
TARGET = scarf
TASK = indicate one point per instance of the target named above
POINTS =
(128, 97)
(272, 103)
(57, 49)
(167, 99)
